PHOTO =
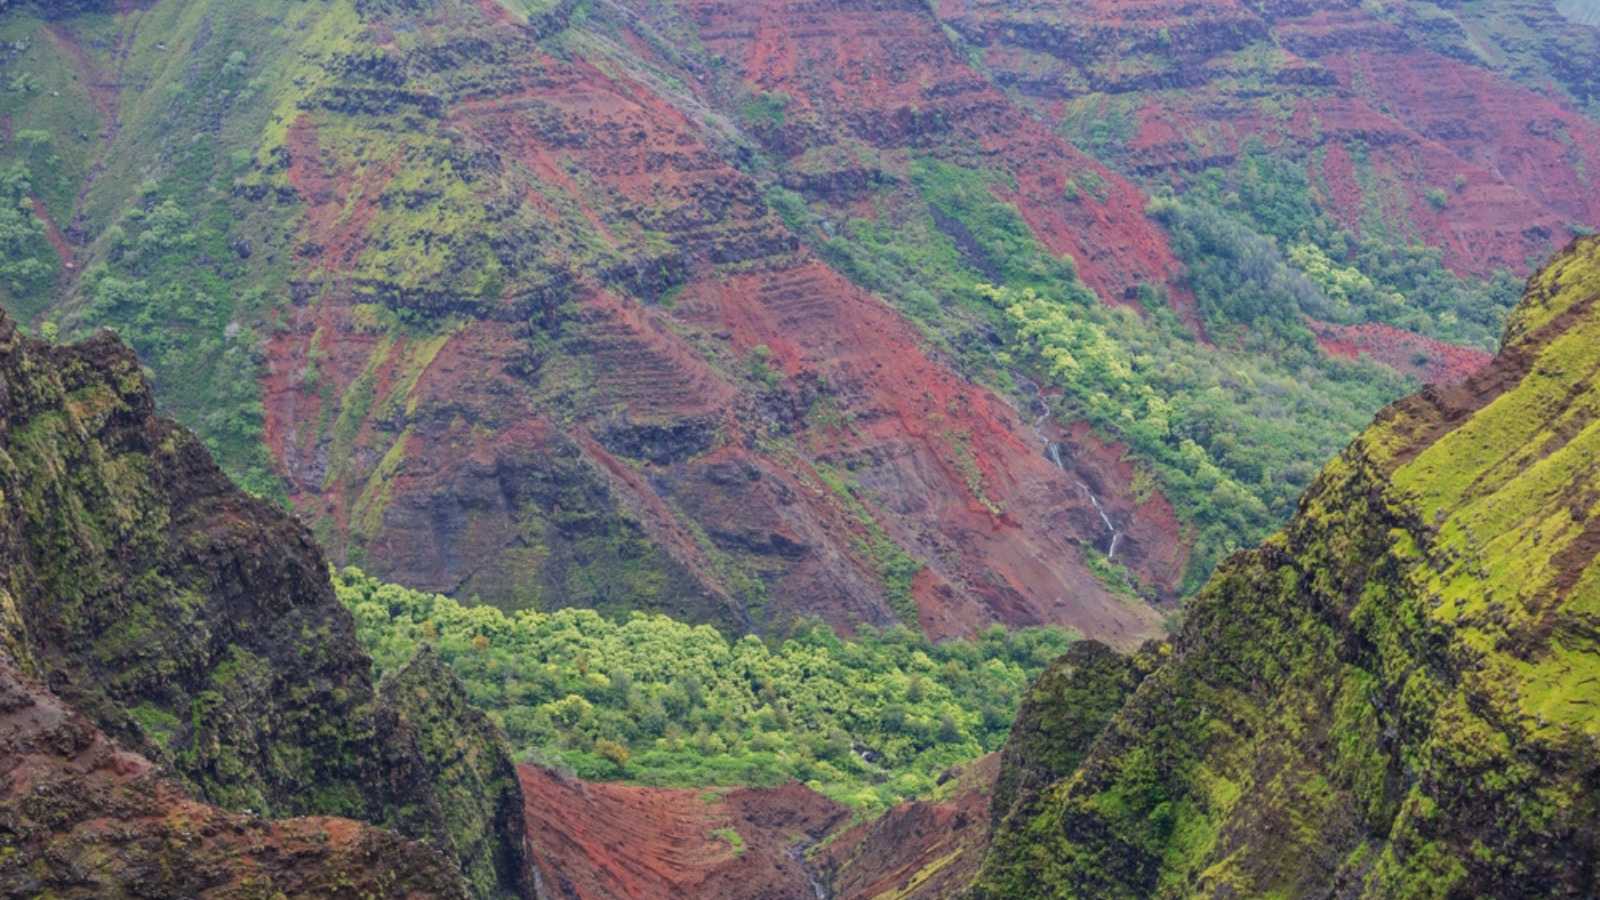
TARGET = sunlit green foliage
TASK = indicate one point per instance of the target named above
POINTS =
(185, 321)
(867, 721)
(1232, 442)
(1236, 227)
(1230, 433)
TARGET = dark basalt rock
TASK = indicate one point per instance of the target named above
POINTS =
(660, 443)
(1065, 709)
(431, 734)
(82, 818)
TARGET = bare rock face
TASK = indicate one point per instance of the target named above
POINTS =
(196, 626)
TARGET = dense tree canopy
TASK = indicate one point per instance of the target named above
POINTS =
(868, 721)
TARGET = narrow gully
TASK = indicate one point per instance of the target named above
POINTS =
(1052, 450)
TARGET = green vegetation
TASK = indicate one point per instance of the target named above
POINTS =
(766, 109)
(1231, 433)
(1397, 693)
(28, 265)
(868, 721)
(734, 839)
(1259, 224)
(187, 323)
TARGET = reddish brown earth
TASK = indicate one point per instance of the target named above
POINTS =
(887, 77)
(600, 841)
(81, 817)
(1312, 82)
(53, 234)
(1431, 361)
(596, 841)
(470, 470)
(921, 849)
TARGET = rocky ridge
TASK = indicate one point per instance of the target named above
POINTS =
(176, 618)
(1392, 697)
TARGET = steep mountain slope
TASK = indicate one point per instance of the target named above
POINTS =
(527, 333)
(1382, 103)
(196, 627)
(81, 817)
(1396, 695)
(690, 306)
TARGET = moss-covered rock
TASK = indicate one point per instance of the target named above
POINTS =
(82, 818)
(1065, 708)
(196, 625)
(1395, 697)
(432, 735)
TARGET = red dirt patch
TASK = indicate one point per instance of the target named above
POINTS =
(595, 840)
(921, 849)
(53, 234)
(1429, 360)
(340, 203)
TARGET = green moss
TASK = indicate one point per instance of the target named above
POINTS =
(159, 725)
(1381, 692)
(734, 839)
(766, 109)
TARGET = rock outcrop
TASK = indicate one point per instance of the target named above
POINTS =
(80, 817)
(1397, 695)
(196, 626)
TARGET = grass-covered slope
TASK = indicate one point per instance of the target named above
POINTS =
(1397, 695)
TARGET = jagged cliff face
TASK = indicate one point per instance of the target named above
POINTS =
(83, 817)
(188, 623)
(1395, 696)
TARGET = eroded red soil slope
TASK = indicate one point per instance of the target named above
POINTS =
(596, 841)
(669, 402)
(600, 841)
(922, 849)
(1395, 131)
(1430, 361)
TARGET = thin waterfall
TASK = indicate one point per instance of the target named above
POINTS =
(1053, 451)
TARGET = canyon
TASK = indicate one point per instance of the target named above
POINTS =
(1244, 351)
